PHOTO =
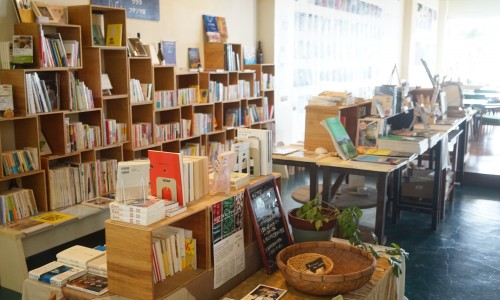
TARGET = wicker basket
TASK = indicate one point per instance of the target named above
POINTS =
(299, 263)
(353, 268)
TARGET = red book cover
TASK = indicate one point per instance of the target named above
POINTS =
(165, 175)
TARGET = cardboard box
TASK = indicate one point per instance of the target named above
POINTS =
(418, 184)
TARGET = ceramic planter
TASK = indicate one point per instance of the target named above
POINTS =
(304, 230)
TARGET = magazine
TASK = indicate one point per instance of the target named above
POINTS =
(265, 292)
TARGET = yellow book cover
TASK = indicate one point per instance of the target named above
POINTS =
(54, 217)
(114, 35)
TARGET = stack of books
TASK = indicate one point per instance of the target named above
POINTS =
(78, 256)
(89, 283)
(98, 266)
(140, 212)
(412, 144)
(56, 273)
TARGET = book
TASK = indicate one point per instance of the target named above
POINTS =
(388, 160)
(249, 57)
(166, 175)
(382, 152)
(100, 202)
(78, 255)
(194, 60)
(149, 206)
(54, 217)
(114, 35)
(28, 225)
(222, 27)
(56, 273)
(6, 100)
(97, 30)
(90, 283)
(137, 218)
(22, 49)
(367, 133)
(411, 144)
(265, 145)
(265, 292)
(175, 211)
(211, 28)
(168, 49)
(341, 140)
(132, 180)
(136, 47)
(220, 177)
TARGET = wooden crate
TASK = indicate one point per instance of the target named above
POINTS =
(315, 134)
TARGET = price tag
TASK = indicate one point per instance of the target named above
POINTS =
(316, 264)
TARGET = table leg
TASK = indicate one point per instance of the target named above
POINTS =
(437, 185)
(396, 194)
(313, 182)
(381, 201)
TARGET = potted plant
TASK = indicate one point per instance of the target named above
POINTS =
(313, 221)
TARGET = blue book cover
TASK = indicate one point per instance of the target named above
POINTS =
(169, 52)
(211, 28)
(45, 277)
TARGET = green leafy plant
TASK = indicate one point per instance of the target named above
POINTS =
(314, 212)
(349, 224)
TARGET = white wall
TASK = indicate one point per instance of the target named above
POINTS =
(180, 20)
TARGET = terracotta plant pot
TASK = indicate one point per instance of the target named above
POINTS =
(305, 231)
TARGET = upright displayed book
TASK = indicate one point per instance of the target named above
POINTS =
(211, 29)
(266, 146)
(166, 175)
(22, 49)
(168, 49)
(222, 27)
(136, 47)
(194, 60)
(114, 35)
(132, 180)
(341, 140)
(90, 283)
(56, 273)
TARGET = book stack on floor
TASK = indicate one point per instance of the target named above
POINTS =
(174, 250)
(140, 212)
(56, 273)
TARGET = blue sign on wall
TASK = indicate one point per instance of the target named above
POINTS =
(137, 9)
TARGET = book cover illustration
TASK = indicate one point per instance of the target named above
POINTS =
(136, 47)
(54, 217)
(222, 26)
(166, 175)
(6, 99)
(169, 52)
(211, 29)
(22, 49)
(90, 283)
(367, 133)
(341, 140)
(114, 35)
(265, 292)
(194, 58)
(249, 57)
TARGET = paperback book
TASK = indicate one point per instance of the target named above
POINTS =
(265, 292)
(341, 140)
(56, 273)
(211, 29)
(194, 60)
(168, 49)
(54, 217)
(166, 175)
(78, 256)
(90, 283)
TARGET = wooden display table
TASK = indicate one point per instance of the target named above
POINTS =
(382, 285)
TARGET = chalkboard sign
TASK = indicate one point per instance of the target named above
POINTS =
(137, 9)
(269, 221)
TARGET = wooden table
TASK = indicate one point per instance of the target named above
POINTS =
(382, 285)
(381, 172)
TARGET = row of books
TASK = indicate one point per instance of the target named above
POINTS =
(187, 96)
(232, 62)
(18, 161)
(53, 51)
(81, 96)
(186, 128)
(81, 136)
(142, 134)
(174, 250)
(40, 95)
(267, 81)
(165, 99)
(167, 132)
(192, 149)
(140, 92)
(202, 123)
(214, 148)
(16, 204)
(114, 132)
(195, 171)
(107, 176)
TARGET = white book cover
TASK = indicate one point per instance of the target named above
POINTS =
(56, 273)
(266, 149)
(79, 255)
(132, 180)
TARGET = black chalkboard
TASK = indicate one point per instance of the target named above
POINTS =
(270, 224)
(137, 9)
